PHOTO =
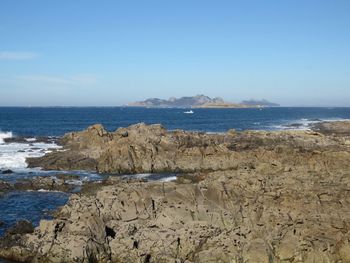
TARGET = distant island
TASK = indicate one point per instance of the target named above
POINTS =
(263, 103)
(200, 101)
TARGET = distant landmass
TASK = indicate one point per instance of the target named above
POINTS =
(264, 103)
(199, 101)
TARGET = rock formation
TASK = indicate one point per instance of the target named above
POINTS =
(198, 101)
(242, 197)
(151, 149)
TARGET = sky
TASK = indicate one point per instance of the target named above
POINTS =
(109, 53)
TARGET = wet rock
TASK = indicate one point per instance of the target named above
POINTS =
(4, 186)
(44, 183)
(21, 227)
(31, 140)
(2, 223)
(67, 177)
(50, 139)
(8, 171)
(15, 140)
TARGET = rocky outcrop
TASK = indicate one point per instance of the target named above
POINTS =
(341, 128)
(251, 197)
(59, 182)
(248, 215)
(11, 239)
(150, 148)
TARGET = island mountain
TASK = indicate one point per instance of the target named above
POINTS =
(199, 101)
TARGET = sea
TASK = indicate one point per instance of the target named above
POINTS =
(32, 123)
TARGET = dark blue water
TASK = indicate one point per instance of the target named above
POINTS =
(57, 121)
(31, 206)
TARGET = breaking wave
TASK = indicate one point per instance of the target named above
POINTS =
(13, 154)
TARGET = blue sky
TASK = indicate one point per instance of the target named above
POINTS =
(295, 52)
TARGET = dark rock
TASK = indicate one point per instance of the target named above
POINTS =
(13, 238)
(21, 227)
(23, 139)
(50, 139)
(4, 186)
(295, 125)
(16, 140)
(35, 148)
(66, 161)
(8, 171)
(66, 177)
(43, 183)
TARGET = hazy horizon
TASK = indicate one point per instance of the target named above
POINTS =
(110, 53)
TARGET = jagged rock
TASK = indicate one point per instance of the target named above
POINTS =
(150, 148)
(232, 215)
(251, 197)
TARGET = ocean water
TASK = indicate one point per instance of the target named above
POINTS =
(31, 123)
(57, 121)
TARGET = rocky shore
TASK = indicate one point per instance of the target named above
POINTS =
(239, 197)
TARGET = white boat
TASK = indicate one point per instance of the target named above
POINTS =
(189, 112)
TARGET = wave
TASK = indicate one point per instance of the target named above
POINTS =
(5, 135)
(304, 124)
(161, 177)
(13, 155)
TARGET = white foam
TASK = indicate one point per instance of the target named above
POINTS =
(5, 135)
(13, 155)
(215, 133)
(74, 182)
(168, 179)
(45, 191)
(141, 176)
(303, 124)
